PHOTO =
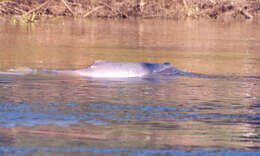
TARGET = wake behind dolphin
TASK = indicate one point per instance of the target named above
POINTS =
(109, 69)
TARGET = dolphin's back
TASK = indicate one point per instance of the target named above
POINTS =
(122, 69)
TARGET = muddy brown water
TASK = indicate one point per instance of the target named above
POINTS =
(47, 114)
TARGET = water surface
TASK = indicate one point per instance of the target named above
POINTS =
(48, 114)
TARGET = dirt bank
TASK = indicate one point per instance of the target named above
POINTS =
(226, 10)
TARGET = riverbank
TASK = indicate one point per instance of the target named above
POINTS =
(226, 10)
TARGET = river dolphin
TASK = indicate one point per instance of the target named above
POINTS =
(108, 69)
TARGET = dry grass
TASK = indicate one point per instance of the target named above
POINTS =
(174, 9)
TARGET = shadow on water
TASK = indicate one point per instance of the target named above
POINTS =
(118, 151)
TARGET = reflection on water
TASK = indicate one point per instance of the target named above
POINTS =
(197, 46)
(47, 114)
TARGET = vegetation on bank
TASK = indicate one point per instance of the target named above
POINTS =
(31, 10)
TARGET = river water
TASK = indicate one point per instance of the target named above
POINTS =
(48, 114)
